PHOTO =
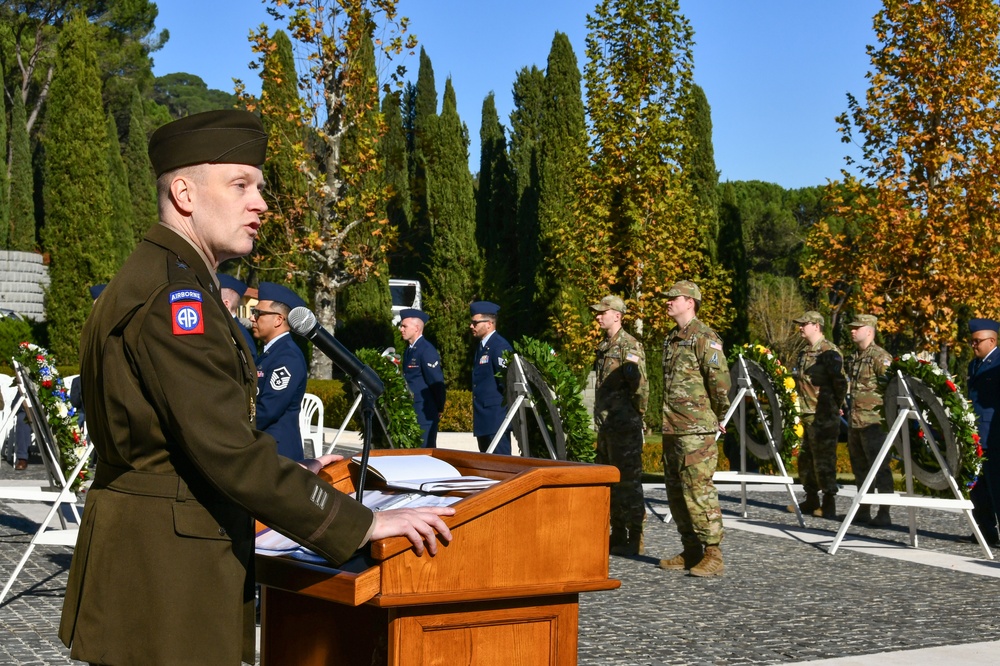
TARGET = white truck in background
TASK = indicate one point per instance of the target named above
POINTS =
(405, 294)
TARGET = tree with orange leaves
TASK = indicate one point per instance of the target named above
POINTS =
(916, 234)
(336, 223)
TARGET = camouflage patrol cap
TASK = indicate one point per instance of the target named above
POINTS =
(684, 288)
(609, 303)
(218, 137)
(810, 317)
(864, 320)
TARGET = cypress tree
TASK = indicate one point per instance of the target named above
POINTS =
(733, 256)
(395, 155)
(141, 180)
(366, 306)
(120, 199)
(424, 100)
(22, 181)
(76, 189)
(525, 144)
(453, 274)
(699, 165)
(495, 213)
(276, 249)
(563, 159)
(4, 175)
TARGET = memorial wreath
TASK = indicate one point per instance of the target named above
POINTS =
(957, 409)
(784, 387)
(396, 402)
(53, 395)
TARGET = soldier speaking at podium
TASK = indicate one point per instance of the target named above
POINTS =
(162, 571)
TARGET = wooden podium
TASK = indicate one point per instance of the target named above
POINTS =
(504, 591)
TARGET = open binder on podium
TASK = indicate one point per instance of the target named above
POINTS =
(507, 585)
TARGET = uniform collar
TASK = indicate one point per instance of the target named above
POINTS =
(186, 251)
(273, 340)
(482, 343)
(419, 338)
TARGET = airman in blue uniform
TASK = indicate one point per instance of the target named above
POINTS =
(984, 393)
(232, 290)
(423, 374)
(281, 369)
(487, 391)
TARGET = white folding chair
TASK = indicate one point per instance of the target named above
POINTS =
(8, 415)
(311, 422)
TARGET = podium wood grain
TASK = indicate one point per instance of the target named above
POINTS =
(504, 591)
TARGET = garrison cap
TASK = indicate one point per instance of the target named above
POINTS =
(96, 290)
(227, 281)
(684, 288)
(219, 137)
(810, 317)
(864, 320)
(269, 291)
(976, 325)
(484, 308)
(413, 313)
(609, 303)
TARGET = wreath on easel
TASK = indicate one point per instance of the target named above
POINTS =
(948, 414)
(775, 389)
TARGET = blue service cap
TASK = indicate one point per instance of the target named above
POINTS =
(269, 291)
(411, 312)
(96, 291)
(484, 308)
(983, 325)
(227, 281)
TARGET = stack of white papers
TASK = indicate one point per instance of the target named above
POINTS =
(424, 473)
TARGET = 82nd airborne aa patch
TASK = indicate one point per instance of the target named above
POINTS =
(185, 312)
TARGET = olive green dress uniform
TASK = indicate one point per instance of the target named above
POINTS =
(822, 387)
(622, 393)
(866, 434)
(695, 397)
(167, 537)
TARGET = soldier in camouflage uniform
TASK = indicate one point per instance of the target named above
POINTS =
(621, 397)
(819, 375)
(867, 364)
(695, 397)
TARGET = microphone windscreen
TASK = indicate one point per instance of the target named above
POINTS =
(301, 320)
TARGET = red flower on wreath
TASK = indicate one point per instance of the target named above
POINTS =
(979, 450)
(975, 437)
(920, 434)
(47, 383)
(950, 385)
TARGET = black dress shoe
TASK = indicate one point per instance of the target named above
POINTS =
(992, 540)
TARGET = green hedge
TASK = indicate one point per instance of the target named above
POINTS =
(457, 415)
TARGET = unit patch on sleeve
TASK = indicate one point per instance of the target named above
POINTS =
(187, 318)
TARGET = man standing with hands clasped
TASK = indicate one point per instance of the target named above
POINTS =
(423, 374)
(487, 391)
(865, 437)
(162, 572)
(984, 394)
(621, 394)
(819, 375)
(695, 398)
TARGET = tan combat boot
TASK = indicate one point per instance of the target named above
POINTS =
(828, 509)
(711, 564)
(632, 546)
(807, 506)
(684, 560)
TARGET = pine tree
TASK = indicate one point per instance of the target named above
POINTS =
(120, 198)
(4, 175)
(22, 182)
(495, 214)
(141, 181)
(76, 190)
(455, 266)
(562, 165)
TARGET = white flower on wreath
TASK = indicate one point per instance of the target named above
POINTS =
(61, 409)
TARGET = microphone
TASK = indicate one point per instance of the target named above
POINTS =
(303, 322)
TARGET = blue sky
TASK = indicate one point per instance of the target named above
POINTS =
(776, 72)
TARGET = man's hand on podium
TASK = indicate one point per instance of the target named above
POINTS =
(417, 525)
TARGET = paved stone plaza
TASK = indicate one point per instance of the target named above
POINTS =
(783, 599)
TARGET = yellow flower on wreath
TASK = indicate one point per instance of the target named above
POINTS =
(789, 383)
(799, 430)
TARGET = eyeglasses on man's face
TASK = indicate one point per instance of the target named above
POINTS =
(257, 314)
